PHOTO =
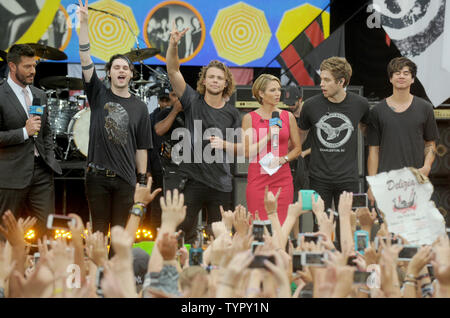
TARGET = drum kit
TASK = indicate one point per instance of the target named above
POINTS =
(69, 116)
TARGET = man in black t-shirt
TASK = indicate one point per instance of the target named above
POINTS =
(403, 130)
(119, 137)
(164, 119)
(332, 119)
(207, 117)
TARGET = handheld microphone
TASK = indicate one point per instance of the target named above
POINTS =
(275, 121)
(36, 110)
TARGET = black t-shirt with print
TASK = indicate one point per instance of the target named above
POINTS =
(216, 175)
(401, 136)
(119, 126)
(333, 128)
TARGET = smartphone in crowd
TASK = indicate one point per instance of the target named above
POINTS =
(258, 261)
(314, 259)
(255, 244)
(195, 256)
(59, 222)
(268, 225)
(361, 277)
(361, 241)
(378, 239)
(306, 199)
(98, 280)
(308, 237)
(36, 257)
(360, 200)
(297, 262)
(407, 252)
(258, 230)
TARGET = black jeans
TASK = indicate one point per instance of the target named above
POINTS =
(196, 196)
(329, 192)
(110, 200)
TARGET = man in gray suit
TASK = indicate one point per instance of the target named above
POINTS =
(27, 159)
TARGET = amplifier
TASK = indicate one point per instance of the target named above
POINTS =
(243, 98)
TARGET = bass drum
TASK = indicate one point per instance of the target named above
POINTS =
(78, 130)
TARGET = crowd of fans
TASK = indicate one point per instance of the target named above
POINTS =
(84, 267)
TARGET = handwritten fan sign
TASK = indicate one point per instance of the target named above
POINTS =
(405, 201)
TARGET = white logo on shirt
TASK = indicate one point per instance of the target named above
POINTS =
(331, 137)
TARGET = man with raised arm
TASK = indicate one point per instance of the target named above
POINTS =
(119, 137)
(208, 183)
(403, 130)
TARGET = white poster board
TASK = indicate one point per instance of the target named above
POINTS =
(405, 202)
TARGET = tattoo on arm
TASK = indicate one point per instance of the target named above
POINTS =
(428, 149)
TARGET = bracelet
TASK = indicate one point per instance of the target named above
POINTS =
(422, 276)
(85, 47)
(409, 282)
(87, 67)
(141, 204)
(425, 286)
(270, 213)
(363, 290)
(411, 276)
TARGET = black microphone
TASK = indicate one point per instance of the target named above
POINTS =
(36, 109)
(275, 121)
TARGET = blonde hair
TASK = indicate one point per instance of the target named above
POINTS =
(339, 68)
(230, 84)
(261, 84)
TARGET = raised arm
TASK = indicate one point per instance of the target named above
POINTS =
(85, 53)
(173, 63)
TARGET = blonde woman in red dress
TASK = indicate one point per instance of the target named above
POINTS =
(258, 143)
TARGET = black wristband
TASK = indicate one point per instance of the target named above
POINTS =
(87, 67)
(85, 47)
(142, 179)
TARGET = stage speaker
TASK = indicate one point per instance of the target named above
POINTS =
(441, 198)
(239, 191)
(441, 164)
(243, 98)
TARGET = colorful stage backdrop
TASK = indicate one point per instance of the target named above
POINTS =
(248, 33)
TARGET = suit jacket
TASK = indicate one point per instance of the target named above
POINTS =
(17, 154)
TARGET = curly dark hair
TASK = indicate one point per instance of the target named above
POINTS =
(398, 63)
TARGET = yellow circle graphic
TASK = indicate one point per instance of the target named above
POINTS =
(109, 35)
(240, 33)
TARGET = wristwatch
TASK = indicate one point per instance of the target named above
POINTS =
(138, 210)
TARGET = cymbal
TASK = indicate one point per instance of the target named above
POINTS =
(142, 54)
(72, 83)
(141, 81)
(3, 55)
(48, 52)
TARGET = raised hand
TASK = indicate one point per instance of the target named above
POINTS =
(420, 260)
(318, 206)
(441, 261)
(365, 217)
(173, 209)
(82, 11)
(227, 218)
(176, 35)
(121, 241)
(345, 204)
(241, 220)
(145, 194)
(271, 200)
(12, 230)
(168, 246)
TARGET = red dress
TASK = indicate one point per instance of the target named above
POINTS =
(258, 179)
